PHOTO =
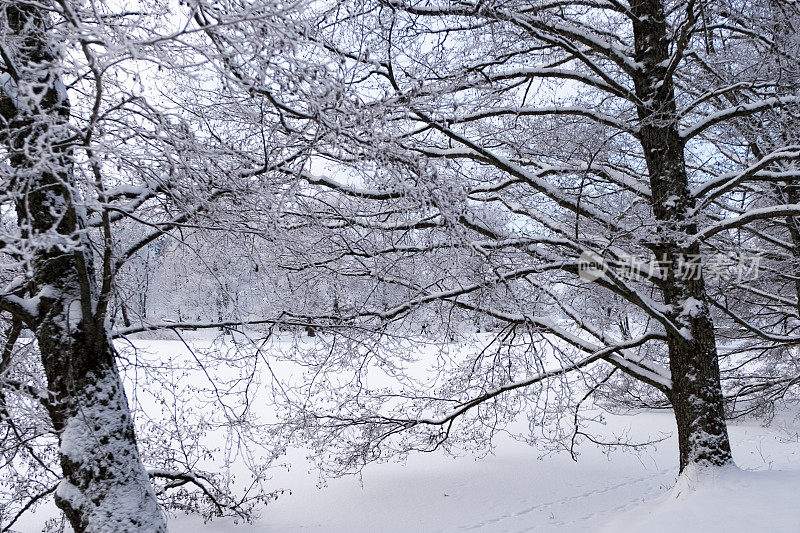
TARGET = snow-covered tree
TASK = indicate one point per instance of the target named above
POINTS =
(112, 155)
(566, 200)
(580, 173)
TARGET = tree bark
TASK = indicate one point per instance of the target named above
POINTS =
(696, 396)
(105, 486)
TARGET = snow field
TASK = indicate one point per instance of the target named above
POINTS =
(517, 488)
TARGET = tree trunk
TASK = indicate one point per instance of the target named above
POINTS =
(696, 396)
(105, 486)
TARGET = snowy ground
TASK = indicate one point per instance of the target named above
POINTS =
(515, 490)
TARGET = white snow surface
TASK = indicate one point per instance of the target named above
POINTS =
(516, 490)
(732, 500)
(519, 489)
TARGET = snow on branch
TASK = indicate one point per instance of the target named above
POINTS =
(738, 111)
(526, 111)
(763, 213)
(726, 182)
(466, 406)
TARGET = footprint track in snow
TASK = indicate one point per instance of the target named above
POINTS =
(657, 478)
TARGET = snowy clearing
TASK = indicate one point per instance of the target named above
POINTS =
(515, 491)
(517, 488)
